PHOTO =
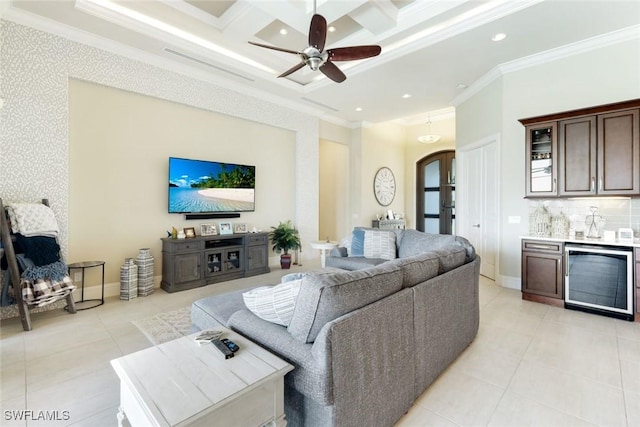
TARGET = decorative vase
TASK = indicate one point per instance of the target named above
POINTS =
(540, 223)
(285, 261)
(144, 261)
(560, 226)
(128, 280)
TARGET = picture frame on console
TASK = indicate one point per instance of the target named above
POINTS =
(225, 228)
(240, 227)
(190, 232)
(208, 230)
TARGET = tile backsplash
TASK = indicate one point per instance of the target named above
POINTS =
(616, 212)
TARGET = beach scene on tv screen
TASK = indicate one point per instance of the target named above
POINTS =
(201, 186)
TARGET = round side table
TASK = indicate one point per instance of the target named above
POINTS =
(90, 303)
(324, 247)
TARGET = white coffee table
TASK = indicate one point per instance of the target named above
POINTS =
(181, 383)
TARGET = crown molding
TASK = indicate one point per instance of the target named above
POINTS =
(586, 45)
(551, 55)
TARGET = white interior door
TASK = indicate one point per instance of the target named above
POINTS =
(478, 194)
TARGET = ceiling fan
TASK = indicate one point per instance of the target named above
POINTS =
(317, 58)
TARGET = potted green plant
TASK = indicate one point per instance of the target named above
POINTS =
(284, 237)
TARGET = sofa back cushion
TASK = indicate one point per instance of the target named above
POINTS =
(418, 268)
(326, 297)
(416, 242)
(450, 257)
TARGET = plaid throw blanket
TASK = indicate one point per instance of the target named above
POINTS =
(43, 285)
(41, 292)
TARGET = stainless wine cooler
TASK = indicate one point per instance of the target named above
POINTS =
(599, 279)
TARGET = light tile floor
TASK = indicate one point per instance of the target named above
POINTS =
(530, 364)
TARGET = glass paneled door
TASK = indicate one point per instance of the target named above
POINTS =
(436, 191)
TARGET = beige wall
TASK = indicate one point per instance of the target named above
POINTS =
(119, 144)
(380, 145)
(601, 76)
(334, 190)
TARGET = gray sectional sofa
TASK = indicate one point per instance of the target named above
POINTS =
(366, 343)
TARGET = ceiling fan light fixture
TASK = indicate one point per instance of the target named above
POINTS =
(314, 63)
(317, 58)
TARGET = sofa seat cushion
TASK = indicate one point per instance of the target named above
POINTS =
(214, 311)
(418, 268)
(274, 304)
(353, 262)
(326, 297)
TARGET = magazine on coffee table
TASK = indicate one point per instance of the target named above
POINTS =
(205, 337)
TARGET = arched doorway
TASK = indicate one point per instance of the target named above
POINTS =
(435, 193)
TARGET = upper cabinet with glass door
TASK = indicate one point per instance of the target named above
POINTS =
(541, 160)
(593, 151)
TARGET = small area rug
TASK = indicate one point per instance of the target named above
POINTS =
(167, 326)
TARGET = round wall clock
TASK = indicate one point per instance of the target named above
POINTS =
(384, 186)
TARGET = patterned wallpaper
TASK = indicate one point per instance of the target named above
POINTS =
(36, 67)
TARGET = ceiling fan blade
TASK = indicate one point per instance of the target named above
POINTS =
(275, 48)
(318, 32)
(330, 70)
(353, 52)
(292, 69)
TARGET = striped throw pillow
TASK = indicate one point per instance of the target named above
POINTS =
(379, 244)
(274, 304)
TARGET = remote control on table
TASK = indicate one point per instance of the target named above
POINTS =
(232, 346)
(228, 354)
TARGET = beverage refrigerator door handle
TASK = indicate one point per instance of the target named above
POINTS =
(593, 184)
(566, 263)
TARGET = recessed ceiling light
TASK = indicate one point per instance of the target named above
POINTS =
(406, 95)
(462, 86)
(284, 32)
(358, 108)
(331, 29)
(498, 37)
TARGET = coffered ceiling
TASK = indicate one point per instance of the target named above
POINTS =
(434, 52)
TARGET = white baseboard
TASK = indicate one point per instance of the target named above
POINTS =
(110, 290)
(511, 282)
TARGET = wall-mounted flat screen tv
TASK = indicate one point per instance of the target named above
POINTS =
(198, 186)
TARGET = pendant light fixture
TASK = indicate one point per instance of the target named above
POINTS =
(429, 138)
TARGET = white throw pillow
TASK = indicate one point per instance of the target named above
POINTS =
(379, 244)
(274, 304)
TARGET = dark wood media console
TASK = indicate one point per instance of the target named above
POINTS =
(203, 260)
